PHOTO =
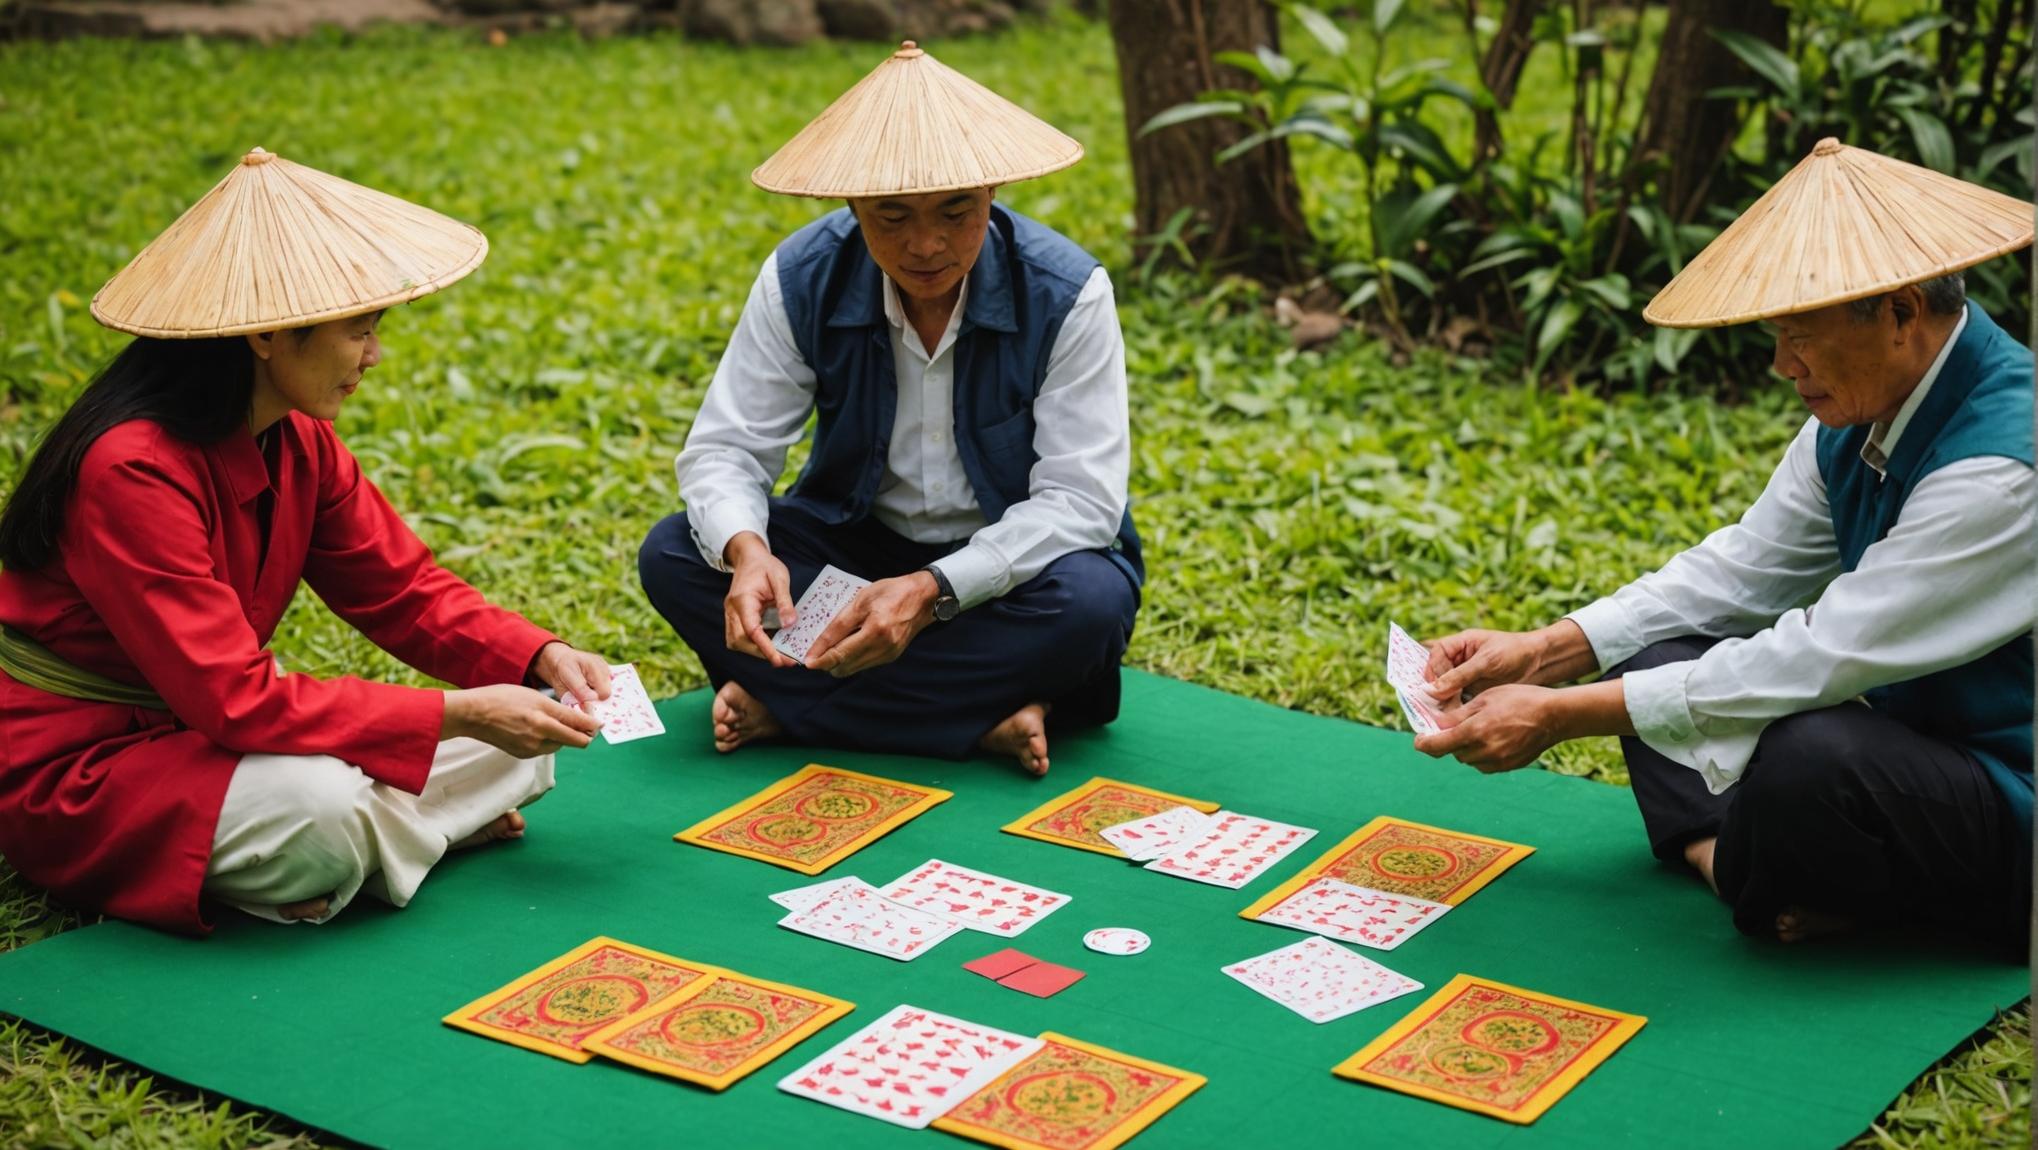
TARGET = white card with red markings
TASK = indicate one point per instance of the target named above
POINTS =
(910, 1067)
(802, 897)
(824, 598)
(1233, 850)
(977, 900)
(1339, 910)
(627, 713)
(1156, 835)
(1407, 670)
(1320, 980)
(856, 915)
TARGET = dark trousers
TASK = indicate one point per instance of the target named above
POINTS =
(1842, 810)
(1056, 639)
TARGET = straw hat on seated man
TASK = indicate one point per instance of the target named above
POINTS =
(969, 454)
(1826, 707)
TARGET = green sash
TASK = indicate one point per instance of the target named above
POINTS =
(29, 662)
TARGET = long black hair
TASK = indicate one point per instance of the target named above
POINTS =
(197, 389)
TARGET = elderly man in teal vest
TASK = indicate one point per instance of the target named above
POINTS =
(966, 377)
(1826, 708)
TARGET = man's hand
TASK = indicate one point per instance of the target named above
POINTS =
(1505, 727)
(760, 580)
(1473, 662)
(579, 676)
(877, 625)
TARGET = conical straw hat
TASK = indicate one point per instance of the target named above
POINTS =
(1844, 224)
(278, 245)
(915, 125)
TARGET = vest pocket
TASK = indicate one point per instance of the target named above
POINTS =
(1009, 436)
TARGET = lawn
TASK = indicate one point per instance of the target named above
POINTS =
(526, 420)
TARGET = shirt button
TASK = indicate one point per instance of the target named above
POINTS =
(936, 437)
(940, 486)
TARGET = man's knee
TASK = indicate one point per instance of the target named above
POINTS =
(1679, 650)
(674, 575)
(1088, 597)
(1804, 759)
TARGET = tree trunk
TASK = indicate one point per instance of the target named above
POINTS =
(1247, 214)
(1501, 70)
(1688, 133)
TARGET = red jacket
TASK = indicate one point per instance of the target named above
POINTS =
(162, 579)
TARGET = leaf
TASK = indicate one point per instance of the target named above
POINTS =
(1384, 12)
(1403, 221)
(1762, 57)
(1556, 325)
(1930, 134)
(1412, 276)
(1671, 345)
(1246, 62)
(1322, 27)
(1184, 113)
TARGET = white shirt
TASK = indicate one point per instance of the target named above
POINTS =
(763, 392)
(1951, 581)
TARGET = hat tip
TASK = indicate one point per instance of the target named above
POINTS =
(1827, 146)
(257, 156)
(907, 50)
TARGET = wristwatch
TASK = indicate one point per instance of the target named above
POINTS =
(946, 605)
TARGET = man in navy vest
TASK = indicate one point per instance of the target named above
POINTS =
(970, 452)
(1826, 708)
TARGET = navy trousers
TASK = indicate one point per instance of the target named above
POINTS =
(1055, 639)
(1847, 811)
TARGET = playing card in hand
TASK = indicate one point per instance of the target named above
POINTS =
(627, 713)
(1321, 980)
(824, 598)
(977, 900)
(1407, 670)
(909, 1067)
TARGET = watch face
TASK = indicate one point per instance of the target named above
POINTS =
(946, 609)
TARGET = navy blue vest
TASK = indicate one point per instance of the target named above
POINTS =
(1979, 405)
(1026, 279)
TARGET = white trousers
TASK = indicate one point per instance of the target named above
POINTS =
(297, 827)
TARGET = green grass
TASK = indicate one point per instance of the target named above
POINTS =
(526, 420)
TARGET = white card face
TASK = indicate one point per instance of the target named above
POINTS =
(1348, 913)
(1233, 851)
(801, 897)
(627, 713)
(977, 900)
(1150, 838)
(1321, 980)
(824, 599)
(1407, 664)
(909, 1067)
(858, 916)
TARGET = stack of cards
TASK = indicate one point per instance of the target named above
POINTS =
(627, 713)
(1411, 861)
(977, 900)
(1223, 849)
(909, 1067)
(1407, 670)
(1320, 980)
(1350, 913)
(853, 913)
(1017, 970)
(813, 819)
(1077, 818)
(916, 910)
(668, 1015)
(1493, 1048)
(826, 597)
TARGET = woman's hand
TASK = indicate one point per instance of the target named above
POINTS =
(580, 677)
(516, 719)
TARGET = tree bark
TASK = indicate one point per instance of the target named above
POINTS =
(1682, 129)
(1501, 70)
(1247, 213)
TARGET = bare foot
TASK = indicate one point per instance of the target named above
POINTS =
(1023, 735)
(309, 908)
(1799, 925)
(510, 825)
(1699, 855)
(740, 718)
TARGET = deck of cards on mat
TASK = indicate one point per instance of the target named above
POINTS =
(1476, 1044)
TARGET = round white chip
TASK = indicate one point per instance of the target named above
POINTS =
(1117, 940)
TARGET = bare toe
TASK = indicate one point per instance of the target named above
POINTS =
(309, 908)
(739, 718)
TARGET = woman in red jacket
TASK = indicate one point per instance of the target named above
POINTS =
(152, 750)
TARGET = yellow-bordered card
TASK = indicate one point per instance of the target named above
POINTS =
(1497, 1049)
(814, 818)
(1070, 1096)
(557, 1007)
(1401, 857)
(1074, 819)
(715, 1032)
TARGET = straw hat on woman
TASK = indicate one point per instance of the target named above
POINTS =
(1888, 562)
(970, 452)
(156, 752)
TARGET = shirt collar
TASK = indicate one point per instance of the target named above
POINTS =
(240, 459)
(895, 314)
(1882, 438)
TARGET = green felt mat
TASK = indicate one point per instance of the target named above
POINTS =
(1748, 1044)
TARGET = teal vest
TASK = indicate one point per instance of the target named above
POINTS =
(1980, 405)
